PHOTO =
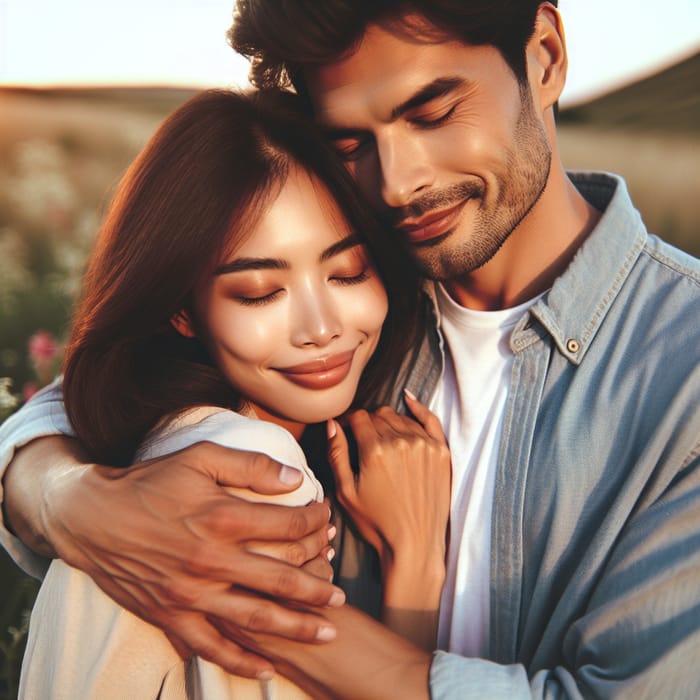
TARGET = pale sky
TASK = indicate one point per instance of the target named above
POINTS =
(182, 42)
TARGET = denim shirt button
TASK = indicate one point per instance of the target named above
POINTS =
(572, 345)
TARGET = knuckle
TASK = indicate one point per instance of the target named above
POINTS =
(401, 443)
(200, 561)
(285, 585)
(357, 416)
(443, 453)
(218, 519)
(305, 629)
(335, 454)
(298, 525)
(259, 618)
(295, 554)
(180, 594)
(376, 451)
(258, 463)
(206, 649)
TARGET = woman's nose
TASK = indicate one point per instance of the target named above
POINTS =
(315, 319)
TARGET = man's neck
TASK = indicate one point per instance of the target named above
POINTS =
(535, 254)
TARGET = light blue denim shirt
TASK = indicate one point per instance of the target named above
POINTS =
(595, 561)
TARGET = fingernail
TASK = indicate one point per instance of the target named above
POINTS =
(331, 532)
(330, 554)
(410, 394)
(337, 599)
(330, 428)
(289, 475)
(326, 633)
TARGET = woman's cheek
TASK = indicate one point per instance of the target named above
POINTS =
(248, 334)
(376, 306)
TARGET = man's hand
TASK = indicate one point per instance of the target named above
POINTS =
(165, 540)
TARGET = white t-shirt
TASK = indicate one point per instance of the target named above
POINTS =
(470, 402)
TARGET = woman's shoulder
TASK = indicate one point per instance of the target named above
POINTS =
(230, 429)
(219, 425)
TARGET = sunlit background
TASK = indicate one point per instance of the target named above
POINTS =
(182, 42)
(83, 84)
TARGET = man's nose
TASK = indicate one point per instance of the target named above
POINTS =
(315, 318)
(405, 168)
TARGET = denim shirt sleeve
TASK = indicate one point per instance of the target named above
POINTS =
(44, 415)
(454, 677)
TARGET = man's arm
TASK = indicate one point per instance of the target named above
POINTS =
(167, 542)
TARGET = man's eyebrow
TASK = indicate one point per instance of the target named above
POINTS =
(344, 244)
(431, 91)
(242, 264)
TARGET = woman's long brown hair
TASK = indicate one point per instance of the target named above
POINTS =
(204, 180)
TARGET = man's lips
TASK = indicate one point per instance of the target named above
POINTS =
(322, 373)
(431, 225)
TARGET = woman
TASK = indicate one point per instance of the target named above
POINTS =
(238, 292)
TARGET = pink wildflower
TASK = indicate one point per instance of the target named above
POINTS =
(43, 348)
(28, 390)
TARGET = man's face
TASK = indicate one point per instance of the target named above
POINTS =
(442, 139)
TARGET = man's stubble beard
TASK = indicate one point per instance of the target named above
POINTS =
(520, 185)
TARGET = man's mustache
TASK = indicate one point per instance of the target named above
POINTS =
(436, 199)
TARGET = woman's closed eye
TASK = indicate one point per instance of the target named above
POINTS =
(350, 279)
(257, 298)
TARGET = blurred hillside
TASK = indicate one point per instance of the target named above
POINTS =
(668, 101)
(649, 132)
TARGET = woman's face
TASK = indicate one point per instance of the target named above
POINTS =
(295, 312)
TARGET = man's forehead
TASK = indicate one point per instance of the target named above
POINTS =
(386, 70)
(404, 30)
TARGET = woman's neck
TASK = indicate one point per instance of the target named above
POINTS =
(294, 427)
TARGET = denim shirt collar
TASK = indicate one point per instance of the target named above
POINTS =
(574, 308)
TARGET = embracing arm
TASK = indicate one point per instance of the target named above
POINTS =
(176, 545)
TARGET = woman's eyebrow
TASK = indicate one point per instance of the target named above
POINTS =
(241, 264)
(342, 245)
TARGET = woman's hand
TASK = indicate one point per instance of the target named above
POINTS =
(399, 501)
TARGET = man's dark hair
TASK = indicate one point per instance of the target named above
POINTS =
(281, 37)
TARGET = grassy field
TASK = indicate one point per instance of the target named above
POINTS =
(61, 154)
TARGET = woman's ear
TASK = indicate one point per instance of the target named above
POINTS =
(546, 55)
(182, 324)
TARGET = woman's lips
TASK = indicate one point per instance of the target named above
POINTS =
(431, 225)
(322, 373)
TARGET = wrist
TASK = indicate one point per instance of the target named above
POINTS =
(413, 582)
(59, 492)
(29, 485)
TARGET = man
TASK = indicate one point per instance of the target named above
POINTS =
(565, 370)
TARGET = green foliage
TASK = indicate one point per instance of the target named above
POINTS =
(17, 593)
